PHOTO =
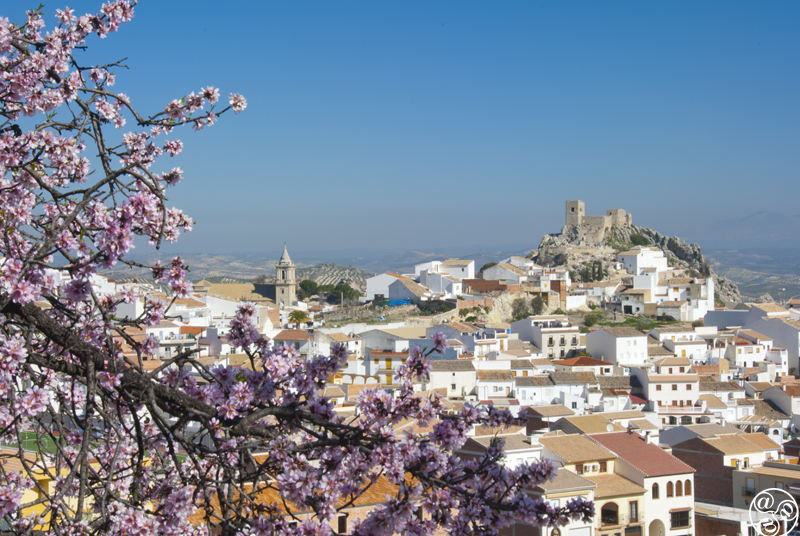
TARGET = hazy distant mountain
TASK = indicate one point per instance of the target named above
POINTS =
(761, 228)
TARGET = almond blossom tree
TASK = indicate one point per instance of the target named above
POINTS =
(95, 443)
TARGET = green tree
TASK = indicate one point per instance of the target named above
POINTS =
(520, 309)
(537, 305)
(298, 317)
(487, 265)
(592, 318)
(639, 240)
(308, 288)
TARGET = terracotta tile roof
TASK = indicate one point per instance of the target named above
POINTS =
(456, 262)
(340, 337)
(712, 370)
(512, 442)
(564, 377)
(495, 430)
(495, 376)
(583, 361)
(239, 292)
(333, 391)
(720, 386)
(646, 457)
(618, 382)
(576, 448)
(10, 460)
(268, 494)
(737, 444)
(794, 323)
(754, 334)
(620, 415)
(463, 327)
(613, 485)
(761, 440)
(674, 362)
(768, 409)
(671, 304)
(588, 424)
(521, 364)
(533, 381)
(644, 424)
(292, 335)
(511, 268)
(552, 410)
(415, 288)
(712, 402)
(192, 330)
(623, 331)
(454, 365)
(769, 307)
(659, 351)
(565, 480)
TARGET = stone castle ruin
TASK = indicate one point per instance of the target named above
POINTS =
(593, 228)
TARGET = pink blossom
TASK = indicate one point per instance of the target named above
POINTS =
(237, 102)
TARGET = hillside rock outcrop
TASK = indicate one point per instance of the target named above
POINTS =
(571, 248)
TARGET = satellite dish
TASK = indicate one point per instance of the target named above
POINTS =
(610, 427)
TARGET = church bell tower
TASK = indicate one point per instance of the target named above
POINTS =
(285, 285)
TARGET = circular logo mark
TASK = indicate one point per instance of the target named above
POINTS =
(771, 509)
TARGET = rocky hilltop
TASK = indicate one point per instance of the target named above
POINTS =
(572, 249)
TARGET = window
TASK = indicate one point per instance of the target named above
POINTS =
(579, 468)
(679, 519)
(452, 387)
(678, 489)
(574, 405)
(655, 491)
(682, 369)
(633, 511)
(779, 485)
(342, 522)
(603, 467)
(688, 386)
(658, 387)
(687, 487)
(674, 387)
(670, 370)
(670, 492)
(562, 352)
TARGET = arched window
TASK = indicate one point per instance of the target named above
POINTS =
(775, 432)
(687, 488)
(669, 490)
(655, 491)
(678, 489)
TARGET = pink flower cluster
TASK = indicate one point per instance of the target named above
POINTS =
(138, 451)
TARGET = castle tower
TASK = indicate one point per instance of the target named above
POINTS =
(575, 212)
(285, 286)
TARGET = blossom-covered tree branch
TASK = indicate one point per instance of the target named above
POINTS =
(99, 444)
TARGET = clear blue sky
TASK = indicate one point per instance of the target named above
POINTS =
(422, 124)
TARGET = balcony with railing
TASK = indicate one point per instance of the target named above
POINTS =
(612, 519)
